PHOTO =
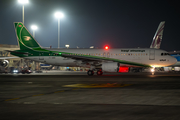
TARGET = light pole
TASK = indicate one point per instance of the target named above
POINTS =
(34, 27)
(23, 2)
(59, 15)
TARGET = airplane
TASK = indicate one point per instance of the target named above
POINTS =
(102, 60)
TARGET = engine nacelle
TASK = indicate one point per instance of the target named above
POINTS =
(113, 67)
(110, 67)
(4, 63)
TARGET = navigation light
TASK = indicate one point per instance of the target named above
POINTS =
(106, 47)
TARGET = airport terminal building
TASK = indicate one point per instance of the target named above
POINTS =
(15, 62)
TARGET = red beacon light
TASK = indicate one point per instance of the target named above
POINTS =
(106, 47)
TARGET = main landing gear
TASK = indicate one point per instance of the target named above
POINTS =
(99, 72)
(91, 72)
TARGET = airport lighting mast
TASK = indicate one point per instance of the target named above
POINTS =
(59, 15)
(34, 28)
(23, 2)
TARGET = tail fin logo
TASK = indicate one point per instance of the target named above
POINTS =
(158, 36)
(27, 38)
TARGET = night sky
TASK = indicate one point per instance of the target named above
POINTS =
(117, 23)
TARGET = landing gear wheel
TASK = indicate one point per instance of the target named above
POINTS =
(99, 72)
(90, 72)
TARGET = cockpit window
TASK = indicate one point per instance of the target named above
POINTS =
(163, 54)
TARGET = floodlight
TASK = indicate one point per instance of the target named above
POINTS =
(23, 1)
(34, 27)
(59, 15)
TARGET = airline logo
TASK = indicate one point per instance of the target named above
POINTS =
(19, 25)
(27, 38)
(158, 36)
(158, 40)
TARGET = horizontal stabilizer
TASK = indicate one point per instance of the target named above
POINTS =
(17, 52)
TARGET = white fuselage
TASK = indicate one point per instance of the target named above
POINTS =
(145, 56)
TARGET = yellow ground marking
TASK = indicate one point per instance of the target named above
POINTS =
(97, 85)
(59, 91)
(38, 95)
(12, 99)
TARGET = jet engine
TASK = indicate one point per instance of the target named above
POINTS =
(114, 67)
(4, 63)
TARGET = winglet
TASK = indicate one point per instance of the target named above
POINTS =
(158, 36)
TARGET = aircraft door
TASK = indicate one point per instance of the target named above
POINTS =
(151, 54)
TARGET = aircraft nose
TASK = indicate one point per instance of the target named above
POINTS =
(173, 60)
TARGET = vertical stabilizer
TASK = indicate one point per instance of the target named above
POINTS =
(158, 36)
(24, 38)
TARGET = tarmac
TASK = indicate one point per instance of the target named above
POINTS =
(75, 95)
